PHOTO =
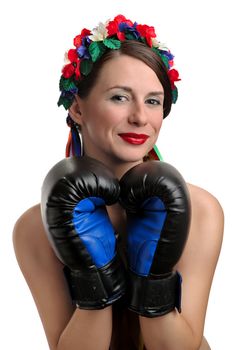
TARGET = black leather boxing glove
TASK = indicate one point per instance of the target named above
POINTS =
(74, 195)
(157, 203)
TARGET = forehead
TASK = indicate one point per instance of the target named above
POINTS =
(128, 71)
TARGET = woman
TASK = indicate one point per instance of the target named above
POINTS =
(118, 84)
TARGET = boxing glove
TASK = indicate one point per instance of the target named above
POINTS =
(158, 209)
(74, 195)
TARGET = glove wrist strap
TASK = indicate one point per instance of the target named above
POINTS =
(96, 288)
(154, 296)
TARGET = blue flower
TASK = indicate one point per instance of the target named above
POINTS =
(83, 52)
(126, 28)
(168, 54)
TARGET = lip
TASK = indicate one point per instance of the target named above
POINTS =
(133, 138)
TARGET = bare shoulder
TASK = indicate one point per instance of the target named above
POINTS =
(206, 212)
(198, 261)
(202, 198)
(206, 230)
(43, 273)
(30, 240)
(28, 229)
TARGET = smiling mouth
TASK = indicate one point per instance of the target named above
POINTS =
(134, 139)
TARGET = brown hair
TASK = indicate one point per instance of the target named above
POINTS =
(139, 51)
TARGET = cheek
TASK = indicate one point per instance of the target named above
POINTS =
(157, 121)
(111, 117)
(100, 122)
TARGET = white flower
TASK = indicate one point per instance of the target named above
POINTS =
(159, 45)
(99, 33)
(66, 59)
(155, 42)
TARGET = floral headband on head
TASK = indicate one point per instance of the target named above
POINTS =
(91, 45)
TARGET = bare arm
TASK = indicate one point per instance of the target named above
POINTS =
(87, 330)
(65, 326)
(184, 331)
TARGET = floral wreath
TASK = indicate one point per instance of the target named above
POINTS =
(91, 45)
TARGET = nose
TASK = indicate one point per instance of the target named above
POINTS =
(137, 114)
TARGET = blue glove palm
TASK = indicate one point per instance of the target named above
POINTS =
(93, 226)
(144, 230)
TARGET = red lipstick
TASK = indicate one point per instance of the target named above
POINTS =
(134, 139)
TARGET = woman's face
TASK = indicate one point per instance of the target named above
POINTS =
(121, 117)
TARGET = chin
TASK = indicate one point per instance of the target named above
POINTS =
(134, 153)
(131, 157)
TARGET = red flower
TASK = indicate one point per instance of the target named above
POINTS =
(73, 67)
(72, 55)
(146, 32)
(77, 70)
(78, 38)
(173, 76)
(68, 70)
(113, 26)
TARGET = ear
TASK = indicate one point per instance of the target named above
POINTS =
(74, 111)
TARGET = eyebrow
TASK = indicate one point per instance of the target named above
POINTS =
(128, 89)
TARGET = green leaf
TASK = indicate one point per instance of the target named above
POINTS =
(111, 43)
(165, 60)
(163, 57)
(174, 95)
(129, 36)
(156, 50)
(65, 102)
(96, 50)
(66, 84)
(143, 40)
(61, 82)
(86, 67)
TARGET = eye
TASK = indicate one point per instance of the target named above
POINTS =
(119, 98)
(153, 101)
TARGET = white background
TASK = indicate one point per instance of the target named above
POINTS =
(196, 137)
